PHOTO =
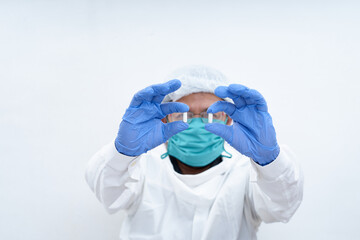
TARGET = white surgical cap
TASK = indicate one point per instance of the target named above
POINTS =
(196, 79)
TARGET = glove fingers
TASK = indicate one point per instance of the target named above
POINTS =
(155, 93)
(161, 90)
(224, 131)
(222, 106)
(238, 89)
(223, 92)
(244, 116)
(143, 95)
(250, 96)
(173, 128)
(172, 107)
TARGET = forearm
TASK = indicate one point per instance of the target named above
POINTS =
(114, 178)
(277, 188)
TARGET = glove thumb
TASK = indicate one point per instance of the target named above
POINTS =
(170, 129)
(224, 131)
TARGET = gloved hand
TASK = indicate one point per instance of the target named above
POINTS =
(142, 128)
(252, 132)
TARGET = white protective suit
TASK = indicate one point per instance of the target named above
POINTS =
(228, 201)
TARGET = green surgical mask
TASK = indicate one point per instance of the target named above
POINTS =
(196, 146)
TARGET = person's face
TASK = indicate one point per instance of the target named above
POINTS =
(200, 102)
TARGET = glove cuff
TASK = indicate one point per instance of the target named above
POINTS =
(268, 158)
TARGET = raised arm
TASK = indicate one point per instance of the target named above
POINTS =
(115, 173)
(276, 185)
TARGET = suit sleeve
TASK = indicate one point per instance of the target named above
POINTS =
(115, 179)
(276, 189)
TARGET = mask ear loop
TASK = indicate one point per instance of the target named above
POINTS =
(163, 156)
(226, 156)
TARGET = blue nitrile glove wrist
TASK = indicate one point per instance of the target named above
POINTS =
(252, 132)
(142, 129)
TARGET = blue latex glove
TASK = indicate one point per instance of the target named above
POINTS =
(252, 132)
(142, 129)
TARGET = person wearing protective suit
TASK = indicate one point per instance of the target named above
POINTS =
(196, 158)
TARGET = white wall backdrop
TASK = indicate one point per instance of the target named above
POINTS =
(68, 70)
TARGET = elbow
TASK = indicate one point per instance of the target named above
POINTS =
(280, 215)
(281, 211)
(114, 202)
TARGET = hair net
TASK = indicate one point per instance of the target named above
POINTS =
(195, 79)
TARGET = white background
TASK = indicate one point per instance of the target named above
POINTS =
(68, 70)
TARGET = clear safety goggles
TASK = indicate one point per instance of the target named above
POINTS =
(205, 117)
